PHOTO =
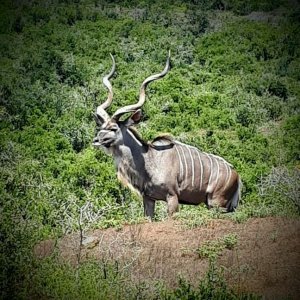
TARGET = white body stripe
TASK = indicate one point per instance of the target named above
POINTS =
(228, 178)
(133, 136)
(214, 175)
(192, 161)
(222, 159)
(185, 162)
(180, 163)
(201, 166)
(218, 171)
(227, 173)
(208, 185)
(228, 167)
(201, 170)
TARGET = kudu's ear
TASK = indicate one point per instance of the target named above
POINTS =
(135, 118)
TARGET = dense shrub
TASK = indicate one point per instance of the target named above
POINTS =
(233, 91)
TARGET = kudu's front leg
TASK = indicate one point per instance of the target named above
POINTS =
(149, 206)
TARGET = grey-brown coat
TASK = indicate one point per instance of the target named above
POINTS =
(164, 169)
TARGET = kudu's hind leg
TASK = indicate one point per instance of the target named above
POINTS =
(172, 202)
(149, 206)
(216, 201)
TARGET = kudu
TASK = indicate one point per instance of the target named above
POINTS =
(163, 169)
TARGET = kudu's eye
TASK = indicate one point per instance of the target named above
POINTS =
(114, 128)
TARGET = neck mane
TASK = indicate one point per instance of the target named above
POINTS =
(134, 133)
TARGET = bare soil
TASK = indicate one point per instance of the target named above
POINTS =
(265, 261)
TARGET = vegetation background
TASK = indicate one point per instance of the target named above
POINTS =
(233, 91)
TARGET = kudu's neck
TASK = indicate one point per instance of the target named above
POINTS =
(130, 158)
(131, 150)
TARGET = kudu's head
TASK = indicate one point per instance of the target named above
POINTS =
(112, 129)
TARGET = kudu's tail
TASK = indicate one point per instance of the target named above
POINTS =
(233, 203)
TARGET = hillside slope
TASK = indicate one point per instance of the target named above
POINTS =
(260, 256)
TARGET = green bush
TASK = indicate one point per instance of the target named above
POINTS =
(233, 91)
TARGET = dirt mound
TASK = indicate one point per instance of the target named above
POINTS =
(265, 259)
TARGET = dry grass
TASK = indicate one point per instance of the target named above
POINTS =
(265, 259)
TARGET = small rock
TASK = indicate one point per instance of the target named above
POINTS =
(90, 242)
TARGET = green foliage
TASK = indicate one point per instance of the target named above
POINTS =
(192, 218)
(90, 281)
(291, 137)
(212, 286)
(94, 280)
(245, 7)
(280, 184)
(212, 249)
(233, 91)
